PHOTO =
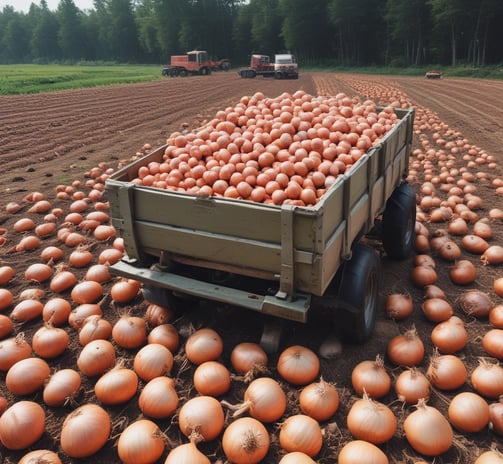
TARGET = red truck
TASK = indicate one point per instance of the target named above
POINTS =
(283, 67)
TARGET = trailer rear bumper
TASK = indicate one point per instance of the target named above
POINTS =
(290, 307)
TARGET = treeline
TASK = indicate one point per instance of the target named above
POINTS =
(319, 32)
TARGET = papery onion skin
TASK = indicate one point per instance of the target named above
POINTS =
(246, 356)
(319, 400)
(428, 431)
(446, 372)
(296, 457)
(490, 457)
(450, 336)
(12, 350)
(85, 431)
(116, 386)
(153, 360)
(203, 345)
(487, 379)
(371, 377)
(496, 417)
(49, 342)
(361, 451)
(202, 415)
(371, 421)
(212, 378)
(158, 398)
(186, 453)
(245, 441)
(475, 303)
(298, 365)
(406, 349)
(141, 443)
(412, 385)
(96, 357)
(21, 425)
(468, 412)
(264, 399)
(62, 386)
(301, 433)
(129, 332)
(399, 306)
(40, 456)
(492, 342)
(27, 376)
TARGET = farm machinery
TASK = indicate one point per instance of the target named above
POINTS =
(195, 62)
(283, 67)
(280, 260)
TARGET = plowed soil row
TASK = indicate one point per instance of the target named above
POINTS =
(56, 138)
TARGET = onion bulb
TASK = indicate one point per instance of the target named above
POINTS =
(371, 377)
(40, 456)
(371, 421)
(360, 452)
(212, 378)
(406, 349)
(298, 365)
(428, 431)
(412, 385)
(301, 433)
(186, 453)
(319, 400)
(264, 399)
(248, 356)
(490, 457)
(245, 441)
(141, 443)
(201, 418)
(446, 371)
(153, 360)
(468, 412)
(203, 345)
(21, 425)
(158, 398)
(116, 386)
(90, 421)
(296, 457)
(487, 379)
(398, 306)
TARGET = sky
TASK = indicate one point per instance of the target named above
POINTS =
(24, 5)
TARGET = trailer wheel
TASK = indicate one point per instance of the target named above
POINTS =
(399, 222)
(162, 297)
(353, 295)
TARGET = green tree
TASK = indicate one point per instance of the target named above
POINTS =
(359, 31)
(71, 30)
(44, 38)
(147, 32)
(449, 14)
(408, 20)
(123, 33)
(305, 29)
(15, 39)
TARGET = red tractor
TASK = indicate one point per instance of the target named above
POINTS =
(195, 62)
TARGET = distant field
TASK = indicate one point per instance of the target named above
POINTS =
(32, 78)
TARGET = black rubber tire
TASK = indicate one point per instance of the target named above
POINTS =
(358, 283)
(162, 297)
(183, 73)
(399, 223)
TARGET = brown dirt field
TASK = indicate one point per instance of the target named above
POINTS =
(56, 138)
